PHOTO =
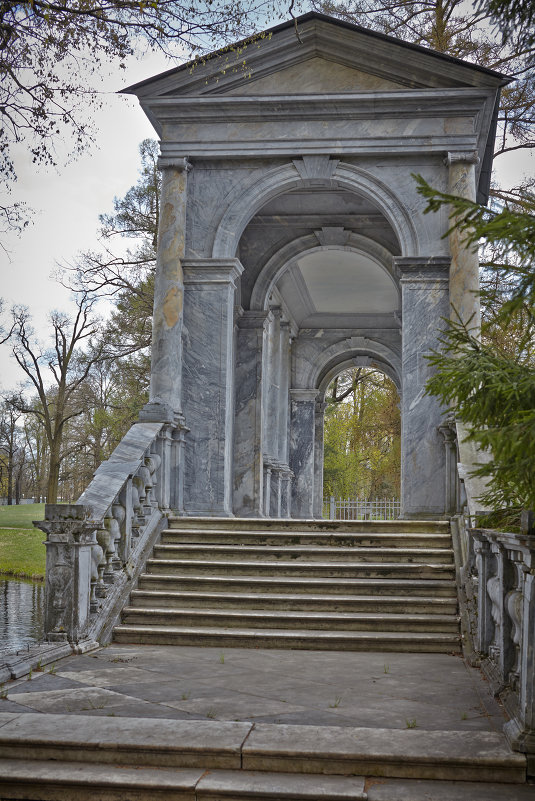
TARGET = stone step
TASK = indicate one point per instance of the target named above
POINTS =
(418, 587)
(295, 525)
(416, 570)
(43, 780)
(295, 639)
(215, 746)
(279, 538)
(303, 553)
(257, 619)
(295, 602)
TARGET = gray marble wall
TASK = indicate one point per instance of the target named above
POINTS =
(425, 300)
(208, 384)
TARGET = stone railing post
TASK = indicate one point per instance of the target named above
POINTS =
(71, 536)
(520, 731)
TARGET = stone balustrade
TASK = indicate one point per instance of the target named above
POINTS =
(95, 547)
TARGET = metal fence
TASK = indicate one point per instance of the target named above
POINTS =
(361, 509)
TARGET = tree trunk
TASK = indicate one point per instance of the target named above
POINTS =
(53, 472)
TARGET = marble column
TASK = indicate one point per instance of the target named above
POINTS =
(464, 268)
(318, 459)
(284, 397)
(166, 364)
(248, 425)
(271, 423)
(424, 289)
(302, 436)
(208, 385)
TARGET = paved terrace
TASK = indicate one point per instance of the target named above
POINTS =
(309, 689)
(378, 690)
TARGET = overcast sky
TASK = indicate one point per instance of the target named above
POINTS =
(69, 200)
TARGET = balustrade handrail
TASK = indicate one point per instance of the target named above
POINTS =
(96, 546)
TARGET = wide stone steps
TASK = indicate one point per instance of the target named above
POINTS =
(293, 602)
(302, 553)
(280, 526)
(251, 619)
(382, 586)
(47, 757)
(332, 569)
(256, 584)
(306, 639)
(197, 536)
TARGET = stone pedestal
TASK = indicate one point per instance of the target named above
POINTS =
(248, 427)
(302, 436)
(71, 536)
(208, 388)
(166, 364)
(425, 301)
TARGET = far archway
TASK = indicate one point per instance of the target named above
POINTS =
(361, 444)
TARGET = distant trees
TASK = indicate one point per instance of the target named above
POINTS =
(65, 365)
(362, 436)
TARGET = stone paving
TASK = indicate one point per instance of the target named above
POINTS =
(376, 690)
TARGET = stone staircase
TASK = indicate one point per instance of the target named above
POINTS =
(373, 586)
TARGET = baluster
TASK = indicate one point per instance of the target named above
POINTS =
(484, 563)
(514, 601)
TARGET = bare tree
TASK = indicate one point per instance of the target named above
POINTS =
(56, 374)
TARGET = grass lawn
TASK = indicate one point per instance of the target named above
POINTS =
(22, 552)
(21, 516)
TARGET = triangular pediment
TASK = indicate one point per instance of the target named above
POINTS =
(330, 56)
(314, 76)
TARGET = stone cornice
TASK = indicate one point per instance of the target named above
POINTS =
(303, 394)
(211, 271)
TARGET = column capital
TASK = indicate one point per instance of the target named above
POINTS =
(211, 271)
(422, 268)
(461, 156)
(254, 318)
(178, 164)
(304, 394)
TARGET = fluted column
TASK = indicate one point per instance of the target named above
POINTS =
(166, 363)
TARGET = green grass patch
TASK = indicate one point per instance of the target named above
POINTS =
(22, 552)
(21, 516)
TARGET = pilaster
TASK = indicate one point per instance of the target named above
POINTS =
(424, 292)
(208, 396)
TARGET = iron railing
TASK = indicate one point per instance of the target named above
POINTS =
(361, 508)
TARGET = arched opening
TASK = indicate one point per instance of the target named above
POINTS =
(361, 444)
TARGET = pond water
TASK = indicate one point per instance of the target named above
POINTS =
(21, 613)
